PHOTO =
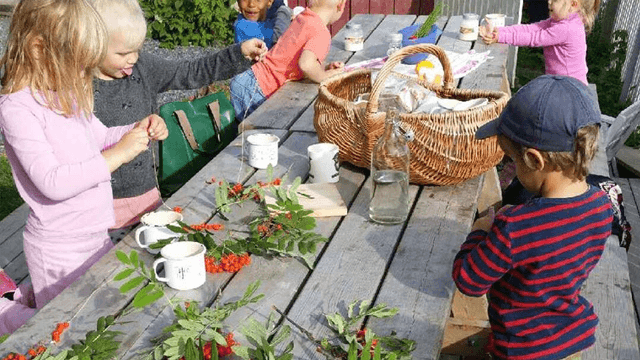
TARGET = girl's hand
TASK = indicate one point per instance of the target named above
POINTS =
(131, 145)
(489, 37)
(254, 49)
(155, 127)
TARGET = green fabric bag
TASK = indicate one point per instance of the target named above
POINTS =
(198, 130)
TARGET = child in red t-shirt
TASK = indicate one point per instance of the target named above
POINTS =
(298, 54)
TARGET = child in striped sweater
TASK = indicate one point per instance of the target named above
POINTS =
(533, 258)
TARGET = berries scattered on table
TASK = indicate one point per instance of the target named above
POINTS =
(200, 227)
(229, 263)
(177, 209)
(60, 328)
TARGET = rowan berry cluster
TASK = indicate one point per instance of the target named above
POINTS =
(200, 227)
(222, 350)
(33, 352)
(360, 337)
(237, 189)
(229, 263)
(60, 328)
(177, 209)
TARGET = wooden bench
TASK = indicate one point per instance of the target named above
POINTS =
(12, 258)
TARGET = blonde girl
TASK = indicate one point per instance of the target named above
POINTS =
(563, 36)
(60, 153)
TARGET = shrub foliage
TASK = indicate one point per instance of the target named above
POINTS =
(189, 22)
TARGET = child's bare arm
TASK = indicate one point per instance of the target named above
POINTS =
(312, 69)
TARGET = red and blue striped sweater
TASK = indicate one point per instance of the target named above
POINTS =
(533, 263)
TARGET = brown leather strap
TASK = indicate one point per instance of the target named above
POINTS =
(214, 107)
(186, 129)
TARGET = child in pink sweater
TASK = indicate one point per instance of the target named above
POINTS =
(61, 155)
(563, 36)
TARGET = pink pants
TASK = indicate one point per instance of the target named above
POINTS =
(14, 313)
(130, 210)
(55, 263)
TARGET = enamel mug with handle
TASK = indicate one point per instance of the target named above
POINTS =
(154, 228)
(324, 166)
(262, 150)
(183, 265)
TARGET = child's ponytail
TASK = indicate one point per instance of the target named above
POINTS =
(588, 11)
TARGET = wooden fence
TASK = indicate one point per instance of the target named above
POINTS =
(625, 15)
(414, 7)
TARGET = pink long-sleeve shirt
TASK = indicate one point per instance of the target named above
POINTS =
(564, 44)
(58, 167)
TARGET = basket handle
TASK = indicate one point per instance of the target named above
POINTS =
(395, 58)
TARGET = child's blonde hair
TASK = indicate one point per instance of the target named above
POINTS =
(574, 164)
(125, 16)
(53, 47)
(588, 10)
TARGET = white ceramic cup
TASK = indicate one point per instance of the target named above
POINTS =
(154, 228)
(493, 21)
(183, 265)
(262, 150)
(324, 166)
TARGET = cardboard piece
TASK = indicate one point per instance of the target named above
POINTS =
(324, 199)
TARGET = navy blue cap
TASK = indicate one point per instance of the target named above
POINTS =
(545, 114)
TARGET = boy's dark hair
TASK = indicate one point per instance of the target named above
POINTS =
(574, 164)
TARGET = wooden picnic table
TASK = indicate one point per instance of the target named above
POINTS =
(407, 266)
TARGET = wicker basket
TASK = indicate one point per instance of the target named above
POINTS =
(444, 150)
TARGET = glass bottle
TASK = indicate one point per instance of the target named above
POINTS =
(353, 37)
(390, 174)
(469, 27)
(395, 43)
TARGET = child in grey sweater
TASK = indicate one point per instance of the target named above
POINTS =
(127, 86)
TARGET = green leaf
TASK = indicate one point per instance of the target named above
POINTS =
(158, 354)
(123, 257)
(133, 257)
(219, 339)
(191, 325)
(131, 284)
(190, 351)
(123, 274)
(102, 324)
(282, 335)
(151, 297)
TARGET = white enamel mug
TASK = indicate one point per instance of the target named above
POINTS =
(183, 265)
(262, 150)
(154, 228)
(324, 166)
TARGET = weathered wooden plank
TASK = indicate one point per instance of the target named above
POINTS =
(491, 74)
(13, 223)
(17, 268)
(421, 269)
(368, 22)
(358, 244)
(607, 287)
(11, 250)
(377, 44)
